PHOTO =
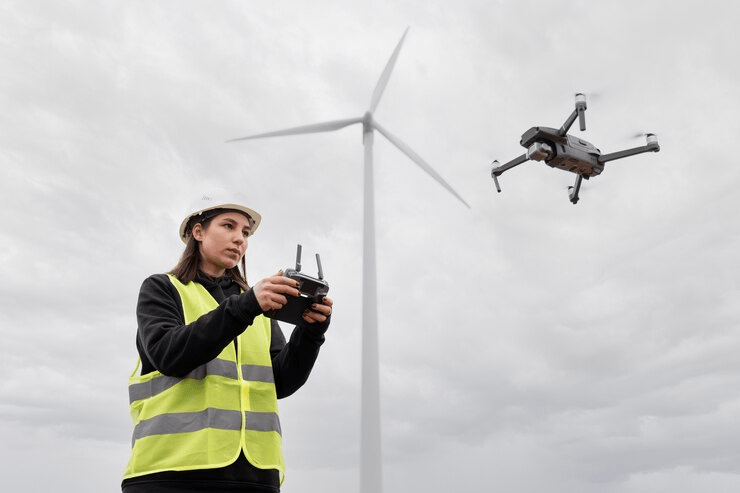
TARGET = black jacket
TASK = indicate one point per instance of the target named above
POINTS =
(166, 344)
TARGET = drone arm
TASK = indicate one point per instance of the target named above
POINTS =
(579, 112)
(568, 123)
(652, 146)
(496, 172)
(505, 167)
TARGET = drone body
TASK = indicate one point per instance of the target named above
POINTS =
(560, 150)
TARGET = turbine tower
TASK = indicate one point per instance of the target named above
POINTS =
(370, 448)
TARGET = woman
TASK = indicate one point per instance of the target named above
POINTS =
(204, 406)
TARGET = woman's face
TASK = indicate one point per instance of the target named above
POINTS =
(223, 242)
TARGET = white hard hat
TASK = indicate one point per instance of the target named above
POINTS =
(210, 202)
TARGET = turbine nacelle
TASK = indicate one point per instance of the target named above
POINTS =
(367, 122)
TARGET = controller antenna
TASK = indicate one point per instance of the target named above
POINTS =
(321, 271)
(298, 258)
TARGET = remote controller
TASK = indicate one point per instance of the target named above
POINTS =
(312, 290)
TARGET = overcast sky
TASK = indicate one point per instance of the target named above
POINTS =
(526, 344)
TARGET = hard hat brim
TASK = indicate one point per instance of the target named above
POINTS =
(254, 216)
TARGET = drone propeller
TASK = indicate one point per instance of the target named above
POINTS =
(591, 95)
(650, 137)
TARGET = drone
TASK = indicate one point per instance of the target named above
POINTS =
(560, 150)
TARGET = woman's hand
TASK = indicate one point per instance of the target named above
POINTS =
(272, 292)
(319, 312)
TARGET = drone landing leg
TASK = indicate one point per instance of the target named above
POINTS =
(496, 172)
(573, 191)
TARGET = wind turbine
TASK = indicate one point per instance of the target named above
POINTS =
(370, 448)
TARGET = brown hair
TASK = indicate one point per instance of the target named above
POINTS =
(189, 264)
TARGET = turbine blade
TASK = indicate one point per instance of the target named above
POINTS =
(305, 129)
(383, 81)
(418, 160)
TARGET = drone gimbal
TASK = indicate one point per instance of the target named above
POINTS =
(560, 150)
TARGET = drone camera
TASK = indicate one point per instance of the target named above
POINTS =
(539, 151)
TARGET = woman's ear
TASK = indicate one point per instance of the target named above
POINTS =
(198, 231)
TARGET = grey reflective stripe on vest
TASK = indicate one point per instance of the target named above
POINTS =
(221, 419)
(257, 373)
(263, 421)
(167, 424)
(159, 384)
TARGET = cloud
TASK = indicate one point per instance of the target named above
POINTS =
(525, 343)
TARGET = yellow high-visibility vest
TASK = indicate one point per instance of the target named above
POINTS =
(207, 418)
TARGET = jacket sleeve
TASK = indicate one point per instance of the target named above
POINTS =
(166, 344)
(292, 361)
